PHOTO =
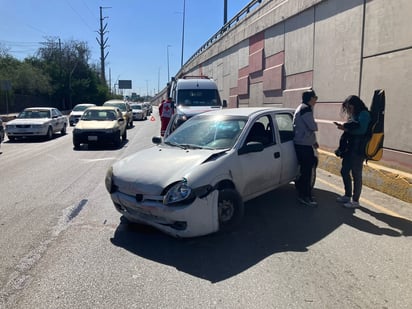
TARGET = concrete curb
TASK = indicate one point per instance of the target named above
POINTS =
(386, 180)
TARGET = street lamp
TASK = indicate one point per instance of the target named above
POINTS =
(183, 32)
(168, 72)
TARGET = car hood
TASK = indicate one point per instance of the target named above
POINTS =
(190, 111)
(149, 171)
(95, 124)
(28, 121)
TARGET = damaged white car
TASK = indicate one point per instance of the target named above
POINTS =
(196, 181)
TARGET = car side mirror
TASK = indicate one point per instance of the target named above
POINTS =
(156, 140)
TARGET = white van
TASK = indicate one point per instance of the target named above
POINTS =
(192, 95)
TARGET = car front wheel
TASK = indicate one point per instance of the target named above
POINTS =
(117, 141)
(230, 209)
(49, 134)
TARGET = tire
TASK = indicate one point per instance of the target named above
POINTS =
(64, 129)
(117, 142)
(124, 135)
(230, 209)
(49, 134)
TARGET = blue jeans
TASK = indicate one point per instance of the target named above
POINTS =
(352, 165)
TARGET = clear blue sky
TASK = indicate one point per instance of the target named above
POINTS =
(139, 32)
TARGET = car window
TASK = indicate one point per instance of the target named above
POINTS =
(285, 126)
(208, 132)
(261, 131)
(201, 97)
(80, 108)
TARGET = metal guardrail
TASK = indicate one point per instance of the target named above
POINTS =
(222, 31)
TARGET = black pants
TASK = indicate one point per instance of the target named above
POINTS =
(307, 161)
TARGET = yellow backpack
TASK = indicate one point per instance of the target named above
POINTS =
(375, 134)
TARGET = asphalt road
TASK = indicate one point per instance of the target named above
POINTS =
(63, 245)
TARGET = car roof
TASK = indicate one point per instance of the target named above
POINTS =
(247, 111)
(114, 101)
(39, 108)
(85, 104)
(100, 108)
(196, 83)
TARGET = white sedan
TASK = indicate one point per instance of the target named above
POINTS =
(196, 182)
(37, 121)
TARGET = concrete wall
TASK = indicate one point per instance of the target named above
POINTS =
(337, 47)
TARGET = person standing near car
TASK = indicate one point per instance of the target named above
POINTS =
(165, 112)
(353, 157)
(305, 141)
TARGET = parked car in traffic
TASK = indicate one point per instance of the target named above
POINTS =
(125, 109)
(197, 180)
(193, 95)
(78, 111)
(149, 107)
(139, 111)
(100, 125)
(37, 121)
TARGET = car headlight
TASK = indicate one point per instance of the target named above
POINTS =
(178, 193)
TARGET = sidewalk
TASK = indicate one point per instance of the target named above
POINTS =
(386, 180)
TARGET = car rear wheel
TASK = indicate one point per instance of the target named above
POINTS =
(230, 209)
(64, 129)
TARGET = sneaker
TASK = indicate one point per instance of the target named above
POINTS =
(352, 204)
(308, 201)
(343, 199)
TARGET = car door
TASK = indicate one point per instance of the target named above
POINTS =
(54, 120)
(284, 128)
(261, 170)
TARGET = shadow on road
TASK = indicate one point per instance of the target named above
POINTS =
(273, 223)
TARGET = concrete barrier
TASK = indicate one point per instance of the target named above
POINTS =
(386, 180)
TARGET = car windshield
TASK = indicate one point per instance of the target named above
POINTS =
(120, 106)
(99, 115)
(199, 97)
(80, 108)
(33, 114)
(208, 132)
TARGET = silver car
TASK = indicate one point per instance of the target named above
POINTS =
(77, 112)
(139, 111)
(196, 182)
(37, 121)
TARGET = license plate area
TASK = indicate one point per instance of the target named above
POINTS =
(92, 138)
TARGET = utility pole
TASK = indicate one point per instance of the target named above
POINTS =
(225, 12)
(103, 44)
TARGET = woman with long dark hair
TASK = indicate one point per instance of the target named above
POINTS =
(354, 154)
